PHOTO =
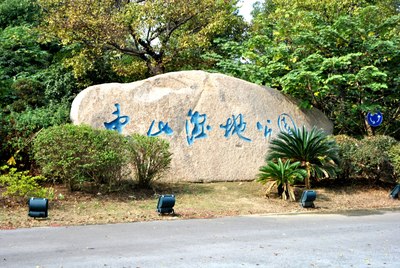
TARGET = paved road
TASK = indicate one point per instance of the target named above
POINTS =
(256, 241)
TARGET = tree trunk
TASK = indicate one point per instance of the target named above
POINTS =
(154, 68)
(280, 190)
(370, 130)
(287, 194)
(307, 179)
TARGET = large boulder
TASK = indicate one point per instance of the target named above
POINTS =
(219, 127)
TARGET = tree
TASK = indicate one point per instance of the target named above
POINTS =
(154, 32)
(283, 175)
(20, 57)
(329, 54)
(313, 149)
(18, 12)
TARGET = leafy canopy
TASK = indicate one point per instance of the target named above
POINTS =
(18, 12)
(329, 54)
(153, 32)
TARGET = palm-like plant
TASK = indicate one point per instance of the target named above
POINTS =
(313, 149)
(283, 175)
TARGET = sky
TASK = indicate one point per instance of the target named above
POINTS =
(246, 8)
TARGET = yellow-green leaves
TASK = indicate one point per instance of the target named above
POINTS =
(153, 31)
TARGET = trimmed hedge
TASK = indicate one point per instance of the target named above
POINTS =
(78, 154)
(81, 155)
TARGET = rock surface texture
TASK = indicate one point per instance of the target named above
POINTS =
(219, 127)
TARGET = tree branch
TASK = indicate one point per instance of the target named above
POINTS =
(130, 51)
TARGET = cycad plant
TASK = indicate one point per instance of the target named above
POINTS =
(315, 151)
(282, 174)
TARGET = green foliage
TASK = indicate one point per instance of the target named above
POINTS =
(316, 152)
(394, 155)
(89, 67)
(348, 148)
(21, 58)
(58, 83)
(20, 51)
(18, 12)
(153, 32)
(28, 94)
(370, 160)
(283, 175)
(329, 54)
(20, 185)
(18, 129)
(78, 154)
(150, 157)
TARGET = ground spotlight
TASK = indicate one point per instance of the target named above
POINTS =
(166, 204)
(308, 198)
(395, 192)
(38, 207)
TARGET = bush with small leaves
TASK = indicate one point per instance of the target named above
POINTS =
(394, 156)
(372, 159)
(19, 185)
(18, 129)
(150, 157)
(78, 154)
(348, 147)
(367, 160)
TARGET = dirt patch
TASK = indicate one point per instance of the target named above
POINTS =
(193, 200)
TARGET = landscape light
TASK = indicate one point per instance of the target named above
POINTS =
(308, 198)
(395, 192)
(166, 204)
(38, 207)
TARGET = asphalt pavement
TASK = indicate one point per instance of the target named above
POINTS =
(305, 240)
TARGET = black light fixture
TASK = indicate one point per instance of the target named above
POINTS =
(395, 192)
(307, 199)
(38, 207)
(166, 204)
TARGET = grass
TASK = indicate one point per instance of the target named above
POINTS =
(193, 200)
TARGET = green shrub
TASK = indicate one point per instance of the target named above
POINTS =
(78, 154)
(20, 185)
(372, 159)
(348, 147)
(366, 160)
(150, 157)
(394, 156)
(18, 129)
(29, 93)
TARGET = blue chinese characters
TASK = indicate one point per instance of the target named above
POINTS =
(118, 123)
(235, 125)
(286, 123)
(266, 130)
(198, 123)
(197, 127)
(162, 128)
